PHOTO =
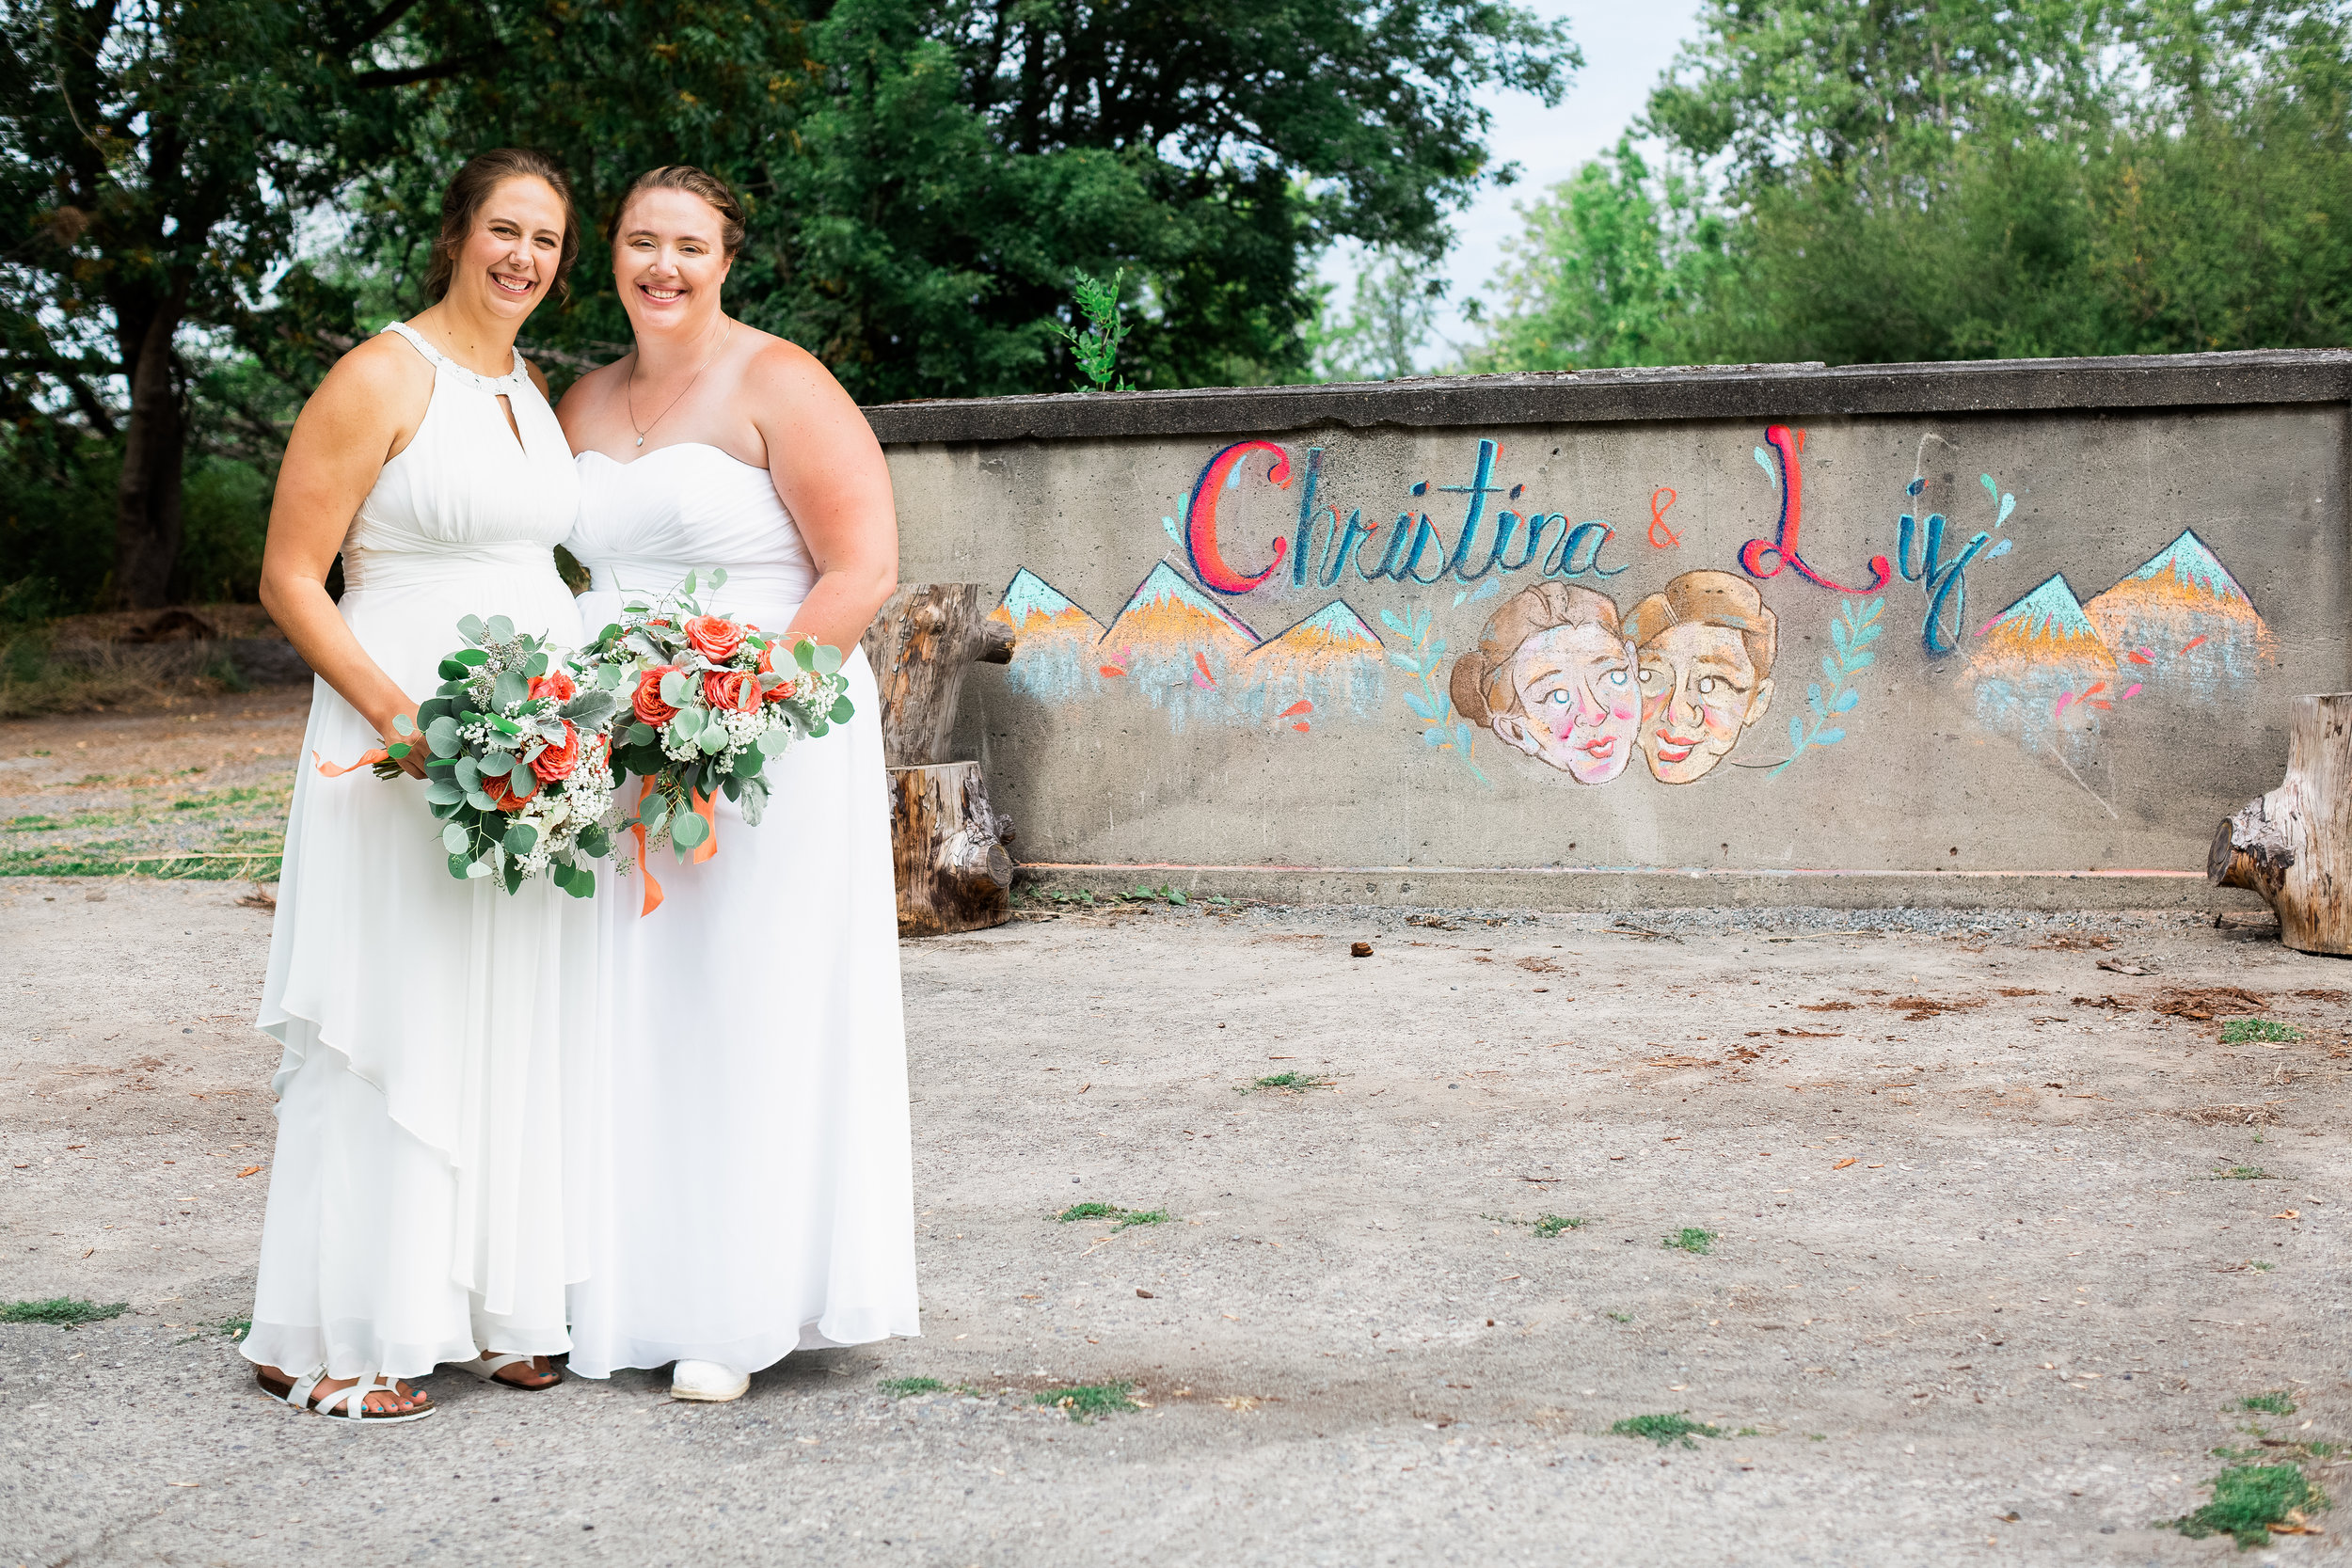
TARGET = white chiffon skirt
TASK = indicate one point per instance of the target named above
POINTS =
(416, 1204)
(747, 1167)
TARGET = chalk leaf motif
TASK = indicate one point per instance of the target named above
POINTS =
(1852, 630)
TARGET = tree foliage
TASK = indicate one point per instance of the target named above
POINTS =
(1965, 179)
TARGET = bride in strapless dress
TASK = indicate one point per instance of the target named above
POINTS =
(747, 1184)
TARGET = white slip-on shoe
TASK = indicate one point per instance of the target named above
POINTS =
(707, 1381)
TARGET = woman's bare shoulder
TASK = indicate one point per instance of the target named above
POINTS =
(383, 381)
(783, 370)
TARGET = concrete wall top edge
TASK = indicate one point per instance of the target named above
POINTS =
(1809, 391)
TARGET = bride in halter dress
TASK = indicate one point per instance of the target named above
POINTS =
(415, 1201)
(748, 1185)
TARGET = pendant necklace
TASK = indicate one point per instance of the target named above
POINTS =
(645, 430)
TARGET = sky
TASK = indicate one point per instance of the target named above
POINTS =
(1626, 44)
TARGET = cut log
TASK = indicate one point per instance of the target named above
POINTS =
(920, 646)
(952, 869)
(2294, 847)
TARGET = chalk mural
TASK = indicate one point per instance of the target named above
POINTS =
(1564, 682)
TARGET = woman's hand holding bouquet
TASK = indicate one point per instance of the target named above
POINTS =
(517, 760)
(712, 701)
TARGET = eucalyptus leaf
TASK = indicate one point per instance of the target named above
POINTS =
(594, 840)
(480, 802)
(460, 867)
(495, 764)
(499, 629)
(450, 670)
(718, 577)
(471, 628)
(841, 710)
(583, 883)
(440, 792)
(805, 654)
(755, 802)
(442, 735)
(689, 829)
(512, 687)
(504, 725)
(688, 586)
(473, 658)
(828, 660)
(638, 733)
(674, 687)
(520, 838)
(455, 839)
(653, 813)
(469, 773)
(514, 877)
(538, 665)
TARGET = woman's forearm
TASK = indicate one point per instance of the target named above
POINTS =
(304, 612)
(842, 604)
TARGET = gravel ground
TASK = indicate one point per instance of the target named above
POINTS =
(1980, 1287)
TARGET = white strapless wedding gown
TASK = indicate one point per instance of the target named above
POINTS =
(748, 1171)
(415, 1201)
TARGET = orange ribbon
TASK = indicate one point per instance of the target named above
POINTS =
(336, 771)
(703, 851)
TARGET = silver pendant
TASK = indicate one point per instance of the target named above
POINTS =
(641, 440)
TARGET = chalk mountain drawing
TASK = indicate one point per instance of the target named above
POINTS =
(1331, 655)
(2182, 618)
(1055, 638)
(2041, 650)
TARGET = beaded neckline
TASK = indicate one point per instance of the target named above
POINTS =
(497, 385)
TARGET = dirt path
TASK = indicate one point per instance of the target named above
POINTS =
(195, 788)
(1994, 1251)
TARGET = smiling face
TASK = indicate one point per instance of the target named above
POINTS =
(511, 256)
(1580, 702)
(669, 257)
(1699, 693)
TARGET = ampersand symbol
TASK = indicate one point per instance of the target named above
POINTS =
(1658, 518)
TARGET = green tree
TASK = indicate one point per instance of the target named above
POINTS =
(1395, 304)
(156, 156)
(1609, 270)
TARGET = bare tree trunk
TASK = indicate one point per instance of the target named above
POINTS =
(2293, 845)
(154, 453)
(953, 872)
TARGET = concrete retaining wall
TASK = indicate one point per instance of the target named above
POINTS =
(2011, 633)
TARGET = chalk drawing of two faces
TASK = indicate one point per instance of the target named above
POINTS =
(1558, 675)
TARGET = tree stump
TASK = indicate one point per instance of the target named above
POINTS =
(2293, 845)
(953, 872)
(925, 639)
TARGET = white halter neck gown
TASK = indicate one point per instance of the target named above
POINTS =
(416, 1199)
(749, 1184)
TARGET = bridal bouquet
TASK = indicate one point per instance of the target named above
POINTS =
(710, 701)
(520, 764)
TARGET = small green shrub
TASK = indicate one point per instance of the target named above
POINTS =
(1552, 1225)
(1664, 1431)
(64, 1310)
(2270, 1404)
(1690, 1239)
(2237, 1031)
(1084, 1400)
(2247, 1500)
(903, 1387)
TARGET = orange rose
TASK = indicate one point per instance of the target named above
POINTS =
(648, 702)
(557, 761)
(500, 788)
(767, 667)
(714, 637)
(555, 685)
(738, 690)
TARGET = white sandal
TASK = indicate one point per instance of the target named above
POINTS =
(486, 1367)
(353, 1397)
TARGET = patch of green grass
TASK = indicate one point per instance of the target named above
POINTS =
(1290, 1081)
(2265, 1268)
(64, 1310)
(1620, 1316)
(2237, 1031)
(1552, 1225)
(1084, 1400)
(1665, 1429)
(1113, 1211)
(2243, 1173)
(236, 1328)
(1690, 1239)
(2247, 1500)
(2273, 1403)
(1817, 1437)
(904, 1387)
